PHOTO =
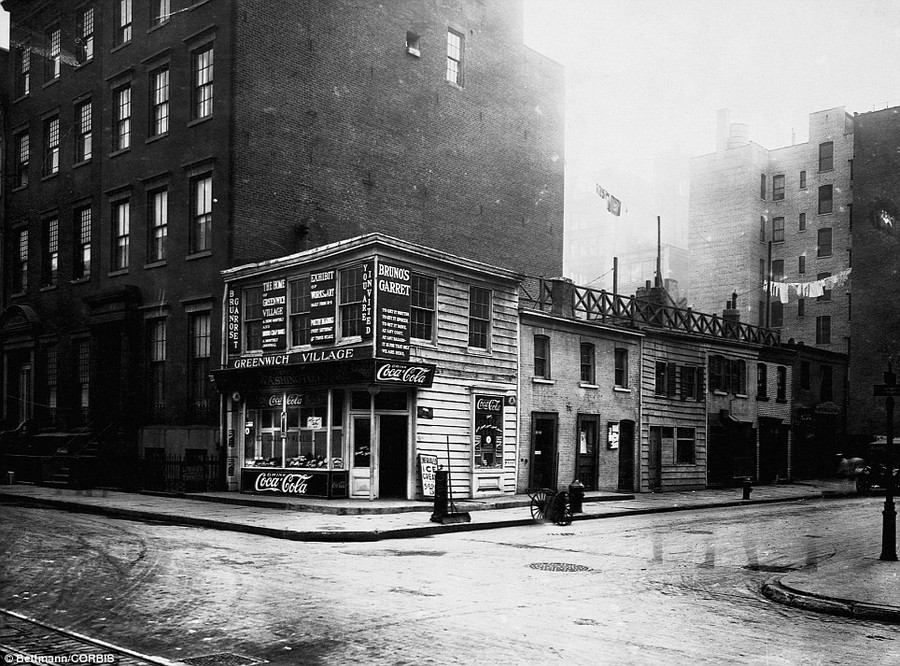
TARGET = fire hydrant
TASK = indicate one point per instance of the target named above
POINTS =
(576, 496)
(747, 486)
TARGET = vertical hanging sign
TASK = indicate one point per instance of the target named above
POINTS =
(321, 307)
(368, 304)
(488, 444)
(234, 321)
(393, 286)
(274, 307)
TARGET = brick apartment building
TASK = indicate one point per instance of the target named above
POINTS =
(876, 252)
(798, 198)
(149, 146)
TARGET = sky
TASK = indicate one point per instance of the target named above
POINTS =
(645, 78)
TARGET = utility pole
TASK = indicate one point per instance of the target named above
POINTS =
(615, 275)
(889, 521)
(659, 281)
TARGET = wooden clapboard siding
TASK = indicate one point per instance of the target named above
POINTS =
(673, 412)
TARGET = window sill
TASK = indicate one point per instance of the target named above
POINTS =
(84, 64)
(719, 392)
(49, 83)
(49, 176)
(743, 396)
(781, 401)
(587, 385)
(157, 26)
(762, 398)
(824, 256)
(453, 84)
(19, 294)
(478, 351)
(120, 151)
(421, 342)
(48, 287)
(119, 47)
(831, 212)
(542, 380)
(81, 163)
(118, 272)
(19, 188)
(198, 255)
(21, 98)
(621, 389)
(156, 137)
(198, 4)
(81, 280)
(199, 121)
(155, 264)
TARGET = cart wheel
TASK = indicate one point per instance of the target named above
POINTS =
(539, 505)
(563, 509)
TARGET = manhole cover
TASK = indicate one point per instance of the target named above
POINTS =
(769, 568)
(558, 566)
(221, 659)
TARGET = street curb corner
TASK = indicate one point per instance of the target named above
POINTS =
(779, 592)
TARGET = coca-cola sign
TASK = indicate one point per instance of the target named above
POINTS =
(485, 404)
(280, 482)
(409, 374)
(293, 483)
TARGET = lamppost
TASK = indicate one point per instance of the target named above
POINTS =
(889, 523)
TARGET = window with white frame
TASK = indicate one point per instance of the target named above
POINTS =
(122, 117)
(159, 11)
(20, 262)
(454, 57)
(422, 306)
(479, 318)
(84, 34)
(781, 383)
(199, 389)
(22, 146)
(83, 131)
(588, 363)
(156, 360)
(50, 263)
(762, 380)
(300, 307)
(53, 61)
(685, 446)
(82, 236)
(202, 90)
(158, 224)
(621, 368)
(351, 304)
(23, 70)
(159, 101)
(124, 21)
(201, 213)
(51, 146)
(542, 356)
(82, 355)
(121, 227)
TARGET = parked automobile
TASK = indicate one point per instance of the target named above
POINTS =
(875, 476)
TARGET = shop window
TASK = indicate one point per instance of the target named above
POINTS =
(300, 303)
(685, 447)
(621, 368)
(422, 308)
(351, 304)
(384, 401)
(253, 314)
(306, 444)
(479, 318)
(542, 356)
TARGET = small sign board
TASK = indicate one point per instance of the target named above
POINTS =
(428, 465)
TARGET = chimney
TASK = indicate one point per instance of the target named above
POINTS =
(732, 316)
(562, 293)
(723, 128)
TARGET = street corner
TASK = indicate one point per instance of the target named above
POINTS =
(777, 590)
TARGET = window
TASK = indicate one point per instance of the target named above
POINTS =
(801, 307)
(778, 230)
(122, 114)
(52, 63)
(50, 263)
(454, 57)
(82, 261)
(801, 264)
(762, 312)
(727, 375)
(542, 356)
(123, 22)
(827, 392)
(412, 43)
(22, 146)
(685, 449)
(159, 101)
(823, 330)
(479, 317)
(778, 188)
(778, 270)
(300, 302)
(621, 368)
(23, 71)
(801, 224)
(824, 249)
(666, 379)
(203, 83)
(20, 271)
(659, 387)
(588, 363)
(253, 314)
(51, 146)
(826, 156)
(776, 317)
(739, 376)
(84, 38)
(83, 131)
(826, 203)
(762, 380)
(762, 229)
(352, 301)
(762, 186)
(121, 224)
(199, 386)
(802, 180)
(156, 360)
(51, 373)
(826, 293)
(201, 218)
(422, 308)
(781, 385)
(691, 380)
(762, 271)
(159, 11)
(82, 357)
(158, 223)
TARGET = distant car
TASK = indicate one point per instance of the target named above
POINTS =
(875, 476)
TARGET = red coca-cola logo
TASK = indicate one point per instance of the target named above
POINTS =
(407, 374)
(488, 404)
(290, 484)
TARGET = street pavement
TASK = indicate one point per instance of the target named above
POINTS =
(866, 588)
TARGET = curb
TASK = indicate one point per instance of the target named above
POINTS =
(777, 591)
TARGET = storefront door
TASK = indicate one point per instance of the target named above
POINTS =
(391, 456)
(587, 451)
(543, 452)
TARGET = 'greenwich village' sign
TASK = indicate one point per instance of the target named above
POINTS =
(299, 358)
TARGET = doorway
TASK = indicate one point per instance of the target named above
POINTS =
(586, 467)
(626, 456)
(543, 450)
(654, 462)
(391, 457)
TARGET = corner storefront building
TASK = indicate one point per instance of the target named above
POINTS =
(358, 368)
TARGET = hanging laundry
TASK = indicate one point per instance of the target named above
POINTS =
(614, 206)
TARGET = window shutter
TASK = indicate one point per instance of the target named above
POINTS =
(671, 383)
(700, 385)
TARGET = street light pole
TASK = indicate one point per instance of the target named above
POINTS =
(889, 522)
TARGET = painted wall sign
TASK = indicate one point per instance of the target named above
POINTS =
(368, 304)
(428, 466)
(488, 432)
(322, 307)
(408, 374)
(274, 310)
(612, 435)
(393, 287)
(233, 330)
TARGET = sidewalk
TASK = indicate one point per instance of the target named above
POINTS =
(874, 585)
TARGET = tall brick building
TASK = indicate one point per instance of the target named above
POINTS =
(876, 253)
(149, 146)
(797, 198)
